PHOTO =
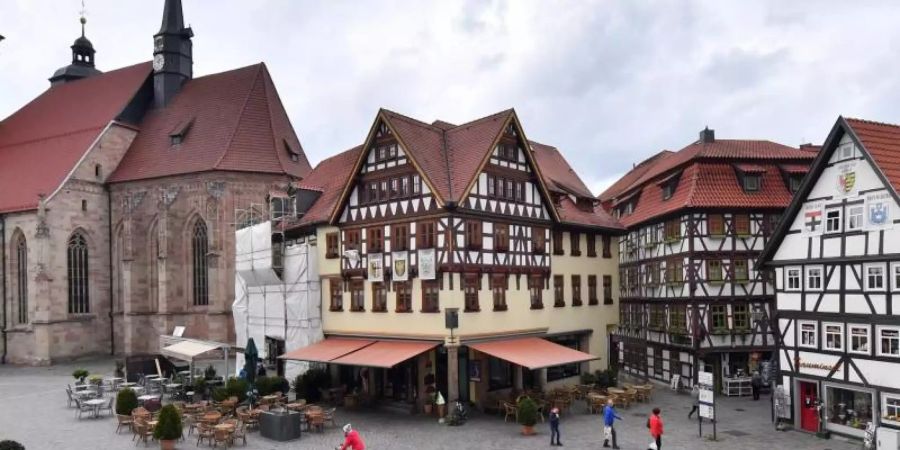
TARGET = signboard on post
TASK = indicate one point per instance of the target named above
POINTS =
(706, 400)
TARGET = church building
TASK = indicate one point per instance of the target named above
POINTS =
(117, 199)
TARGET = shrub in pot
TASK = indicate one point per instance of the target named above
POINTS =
(200, 388)
(11, 445)
(308, 384)
(80, 375)
(120, 369)
(237, 387)
(210, 372)
(96, 380)
(126, 401)
(528, 415)
(168, 427)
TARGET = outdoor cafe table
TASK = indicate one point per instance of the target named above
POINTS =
(95, 405)
(616, 391)
(128, 384)
(225, 426)
(144, 398)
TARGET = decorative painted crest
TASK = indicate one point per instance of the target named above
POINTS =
(400, 266)
(812, 219)
(878, 211)
(847, 179)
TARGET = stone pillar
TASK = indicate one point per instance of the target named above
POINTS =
(542, 379)
(517, 378)
(452, 373)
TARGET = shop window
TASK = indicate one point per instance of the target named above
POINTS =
(425, 235)
(473, 234)
(834, 337)
(592, 290)
(558, 242)
(607, 246)
(890, 407)
(607, 290)
(501, 237)
(718, 318)
(500, 374)
(848, 408)
(859, 339)
(379, 297)
(740, 317)
(403, 291)
(538, 240)
(400, 238)
(793, 279)
(889, 341)
(558, 291)
(808, 334)
(536, 289)
(716, 224)
(357, 296)
(576, 290)
(568, 370)
(430, 290)
(337, 294)
(498, 290)
(470, 289)
(331, 245)
(742, 224)
(575, 243)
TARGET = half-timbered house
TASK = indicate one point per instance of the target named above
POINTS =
(422, 220)
(692, 295)
(836, 260)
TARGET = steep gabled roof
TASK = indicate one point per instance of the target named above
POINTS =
(41, 143)
(631, 176)
(238, 123)
(880, 144)
(329, 176)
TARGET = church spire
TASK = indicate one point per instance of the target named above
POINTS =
(82, 65)
(172, 54)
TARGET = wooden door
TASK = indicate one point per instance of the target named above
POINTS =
(809, 415)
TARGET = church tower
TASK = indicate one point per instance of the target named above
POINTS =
(172, 54)
(82, 65)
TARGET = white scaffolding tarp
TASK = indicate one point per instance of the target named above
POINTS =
(285, 307)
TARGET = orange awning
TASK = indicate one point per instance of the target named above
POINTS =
(533, 353)
(327, 350)
(385, 354)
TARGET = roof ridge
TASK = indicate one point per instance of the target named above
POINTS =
(412, 119)
(872, 122)
(694, 178)
(489, 116)
(240, 116)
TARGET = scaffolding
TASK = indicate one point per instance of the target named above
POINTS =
(277, 287)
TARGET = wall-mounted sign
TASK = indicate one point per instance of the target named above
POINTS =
(813, 223)
(878, 211)
(400, 266)
(426, 264)
(846, 180)
(375, 267)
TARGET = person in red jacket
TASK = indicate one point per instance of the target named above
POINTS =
(655, 424)
(352, 441)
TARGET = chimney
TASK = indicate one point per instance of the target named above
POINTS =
(707, 136)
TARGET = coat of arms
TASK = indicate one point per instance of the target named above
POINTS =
(400, 267)
(878, 213)
(846, 181)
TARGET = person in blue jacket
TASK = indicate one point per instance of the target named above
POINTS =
(609, 429)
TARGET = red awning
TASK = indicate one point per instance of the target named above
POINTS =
(533, 353)
(327, 350)
(385, 354)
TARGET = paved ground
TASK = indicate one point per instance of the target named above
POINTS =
(33, 411)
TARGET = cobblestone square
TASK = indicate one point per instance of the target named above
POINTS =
(33, 411)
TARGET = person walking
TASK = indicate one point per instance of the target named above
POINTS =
(609, 429)
(554, 427)
(756, 384)
(695, 408)
(655, 424)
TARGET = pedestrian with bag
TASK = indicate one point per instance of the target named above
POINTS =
(609, 429)
(756, 384)
(655, 424)
(554, 427)
(695, 408)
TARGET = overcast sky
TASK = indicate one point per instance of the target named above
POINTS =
(608, 83)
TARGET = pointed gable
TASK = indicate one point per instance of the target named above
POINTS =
(882, 142)
(238, 124)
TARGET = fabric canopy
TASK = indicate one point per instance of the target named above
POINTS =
(188, 350)
(385, 354)
(327, 350)
(533, 353)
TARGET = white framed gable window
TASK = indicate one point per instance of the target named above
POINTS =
(888, 341)
(814, 278)
(874, 277)
(808, 333)
(895, 276)
(792, 279)
(833, 336)
(854, 217)
(859, 339)
(890, 406)
(833, 220)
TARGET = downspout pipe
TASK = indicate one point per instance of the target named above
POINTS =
(3, 288)
(112, 334)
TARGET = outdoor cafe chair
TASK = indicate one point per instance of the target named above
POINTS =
(143, 432)
(71, 399)
(221, 436)
(510, 410)
(317, 422)
(82, 408)
(204, 433)
(108, 406)
(240, 432)
(329, 416)
(124, 421)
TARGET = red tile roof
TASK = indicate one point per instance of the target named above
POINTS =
(41, 142)
(239, 124)
(629, 178)
(708, 178)
(882, 141)
(328, 178)
(750, 168)
(794, 168)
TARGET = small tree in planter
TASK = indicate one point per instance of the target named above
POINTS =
(126, 401)
(168, 429)
(11, 445)
(200, 388)
(80, 375)
(528, 412)
(120, 369)
(96, 380)
(210, 372)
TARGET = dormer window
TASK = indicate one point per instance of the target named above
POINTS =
(751, 182)
(794, 183)
(179, 133)
(668, 185)
(750, 176)
(667, 191)
(291, 151)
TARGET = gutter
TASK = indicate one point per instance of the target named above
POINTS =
(3, 289)
(112, 337)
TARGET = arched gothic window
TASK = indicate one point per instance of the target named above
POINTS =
(20, 277)
(77, 265)
(153, 267)
(199, 249)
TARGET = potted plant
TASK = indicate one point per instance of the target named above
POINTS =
(80, 375)
(210, 372)
(527, 410)
(120, 369)
(96, 380)
(11, 445)
(200, 388)
(126, 401)
(168, 428)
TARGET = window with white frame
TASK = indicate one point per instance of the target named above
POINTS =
(854, 218)
(808, 334)
(890, 405)
(792, 279)
(888, 341)
(875, 278)
(814, 278)
(859, 338)
(834, 336)
(895, 276)
(833, 220)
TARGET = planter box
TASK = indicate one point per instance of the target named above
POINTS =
(280, 426)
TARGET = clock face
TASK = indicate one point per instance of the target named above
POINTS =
(158, 62)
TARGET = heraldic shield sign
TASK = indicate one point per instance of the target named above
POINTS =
(847, 179)
(400, 266)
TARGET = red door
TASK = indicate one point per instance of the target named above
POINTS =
(809, 416)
